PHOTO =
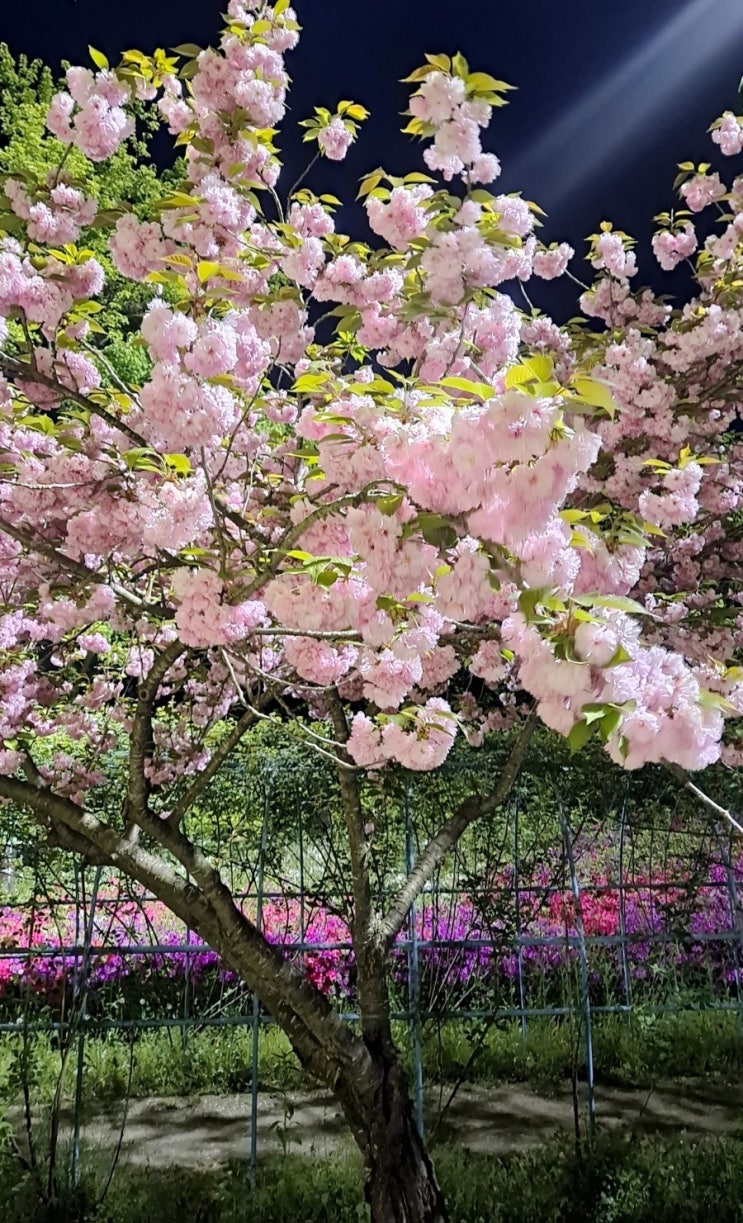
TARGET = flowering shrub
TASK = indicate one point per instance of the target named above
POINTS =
(467, 946)
(141, 942)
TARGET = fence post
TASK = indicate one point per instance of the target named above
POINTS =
(414, 1015)
(583, 961)
(519, 930)
(80, 990)
(736, 917)
(256, 1001)
(623, 916)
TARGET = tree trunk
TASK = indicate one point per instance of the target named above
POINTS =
(400, 1183)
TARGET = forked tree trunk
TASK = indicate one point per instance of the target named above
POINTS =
(400, 1183)
(363, 1070)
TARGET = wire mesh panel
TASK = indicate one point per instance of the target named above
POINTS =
(548, 911)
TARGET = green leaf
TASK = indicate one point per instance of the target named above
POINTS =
(715, 700)
(187, 48)
(390, 505)
(206, 269)
(483, 82)
(440, 61)
(618, 602)
(579, 736)
(10, 223)
(619, 656)
(610, 722)
(143, 459)
(419, 74)
(179, 463)
(534, 369)
(595, 393)
(377, 386)
(387, 603)
(39, 424)
(98, 59)
(311, 383)
(459, 65)
(621, 603)
(480, 390)
(530, 598)
(436, 530)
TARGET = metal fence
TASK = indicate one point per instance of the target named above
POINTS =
(562, 916)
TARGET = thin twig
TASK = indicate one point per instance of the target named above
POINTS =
(708, 802)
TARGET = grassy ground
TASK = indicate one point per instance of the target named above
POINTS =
(699, 1044)
(618, 1181)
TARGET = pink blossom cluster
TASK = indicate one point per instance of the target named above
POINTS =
(57, 219)
(441, 101)
(419, 739)
(611, 254)
(202, 616)
(44, 289)
(335, 139)
(442, 484)
(670, 247)
(729, 134)
(678, 502)
(91, 113)
(401, 218)
(702, 190)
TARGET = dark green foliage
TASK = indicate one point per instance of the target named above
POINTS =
(620, 1180)
(706, 1046)
(28, 151)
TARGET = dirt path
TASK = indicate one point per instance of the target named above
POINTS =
(209, 1130)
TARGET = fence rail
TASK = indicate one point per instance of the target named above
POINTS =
(518, 929)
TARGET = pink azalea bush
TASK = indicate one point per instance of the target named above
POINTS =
(467, 946)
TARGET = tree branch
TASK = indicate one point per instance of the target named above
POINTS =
(16, 369)
(68, 565)
(324, 1044)
(141, 735)
(217, 759)
(295, 533)
(705, 799)
(473, 808)
(371, 967)
(354, 820)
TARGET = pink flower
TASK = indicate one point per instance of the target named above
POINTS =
(335, 139)
(401, 218)
(610, 253)
(702, 190)
(549, 264)
(729, 134)
(670, 247)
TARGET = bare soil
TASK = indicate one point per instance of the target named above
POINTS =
(209, 1130)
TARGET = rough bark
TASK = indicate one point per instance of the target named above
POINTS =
(400, 1182)
(363, 1071)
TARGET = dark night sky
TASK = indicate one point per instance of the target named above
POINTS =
(610, 95)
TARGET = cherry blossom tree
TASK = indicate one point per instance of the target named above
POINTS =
(357, 490)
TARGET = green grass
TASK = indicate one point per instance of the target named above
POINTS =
(696, 1044)
(693, 1044)
(618, 1181)
(159, 1062)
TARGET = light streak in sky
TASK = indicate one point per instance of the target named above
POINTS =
(623, 108)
